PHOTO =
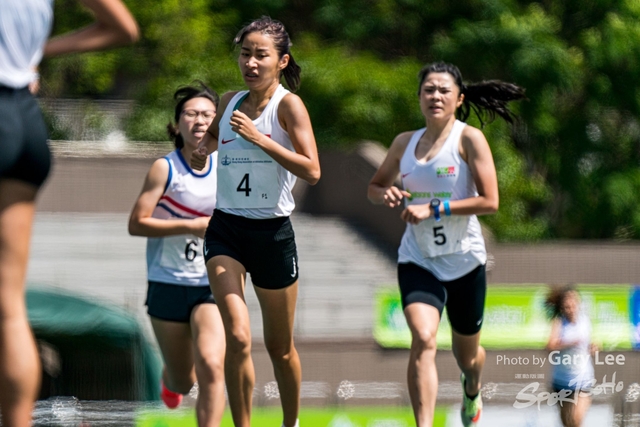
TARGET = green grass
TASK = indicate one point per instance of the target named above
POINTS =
(325, 417)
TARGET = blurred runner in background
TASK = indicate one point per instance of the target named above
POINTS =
(570, 340)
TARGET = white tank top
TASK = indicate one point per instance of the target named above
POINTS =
(24, 28)
(579, 367)
(178, 260)
(251, 183)
(452, 247)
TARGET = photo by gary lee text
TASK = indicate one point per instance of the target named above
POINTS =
(556, 358)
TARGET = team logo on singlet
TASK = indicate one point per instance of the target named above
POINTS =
(238, 159)
(446, 172)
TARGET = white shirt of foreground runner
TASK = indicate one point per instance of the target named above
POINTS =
(24, 29)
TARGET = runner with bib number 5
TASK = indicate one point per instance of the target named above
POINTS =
(264, 141)
(448, 177)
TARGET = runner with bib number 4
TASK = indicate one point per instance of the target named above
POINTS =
(448, 177)
(264, 140)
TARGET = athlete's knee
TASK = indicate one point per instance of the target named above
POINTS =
(239, 341)
(424, 339)
(281, 351)
(209, 368)
(21, 381)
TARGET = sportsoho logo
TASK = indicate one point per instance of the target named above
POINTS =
(579, 386)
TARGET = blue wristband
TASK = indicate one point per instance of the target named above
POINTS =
(447, 209)
(434, 204)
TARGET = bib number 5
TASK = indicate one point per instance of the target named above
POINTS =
(439, 236)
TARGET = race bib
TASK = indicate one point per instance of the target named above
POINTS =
(442, 237)
(247, 179)
(183, 253)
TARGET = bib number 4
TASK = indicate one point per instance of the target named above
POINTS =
(243, 187)
(247, 179)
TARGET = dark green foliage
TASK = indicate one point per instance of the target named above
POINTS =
(568, 168)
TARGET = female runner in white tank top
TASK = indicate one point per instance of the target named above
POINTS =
(448, 177)
(25, 161)
(264, 140)
(173, 211)
(570, 336)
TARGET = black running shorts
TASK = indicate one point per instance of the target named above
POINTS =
(265, 247)
(175, 303)
(463, 297)
(24, 153)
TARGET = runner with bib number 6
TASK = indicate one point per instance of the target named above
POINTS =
(264, 141)
(449, 177)
(173, 211)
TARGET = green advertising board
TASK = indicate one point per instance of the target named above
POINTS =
(514, 317)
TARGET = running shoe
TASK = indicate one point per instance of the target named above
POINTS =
(171, 399)
(471, 408)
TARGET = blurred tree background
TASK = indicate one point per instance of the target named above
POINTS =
(568, 169)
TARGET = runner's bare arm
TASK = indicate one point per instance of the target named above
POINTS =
(142, 224)
(381, 189)
(114, 26)
(476, 152)
(294, 118)
(209, 142)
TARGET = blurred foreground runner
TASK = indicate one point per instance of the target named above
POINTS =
(24, 165)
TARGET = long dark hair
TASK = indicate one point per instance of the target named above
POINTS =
(486, 98)
(182, 95)
(282, 42)
(554, 300)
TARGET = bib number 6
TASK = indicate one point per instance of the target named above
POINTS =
(439, 236)
(189, 251)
